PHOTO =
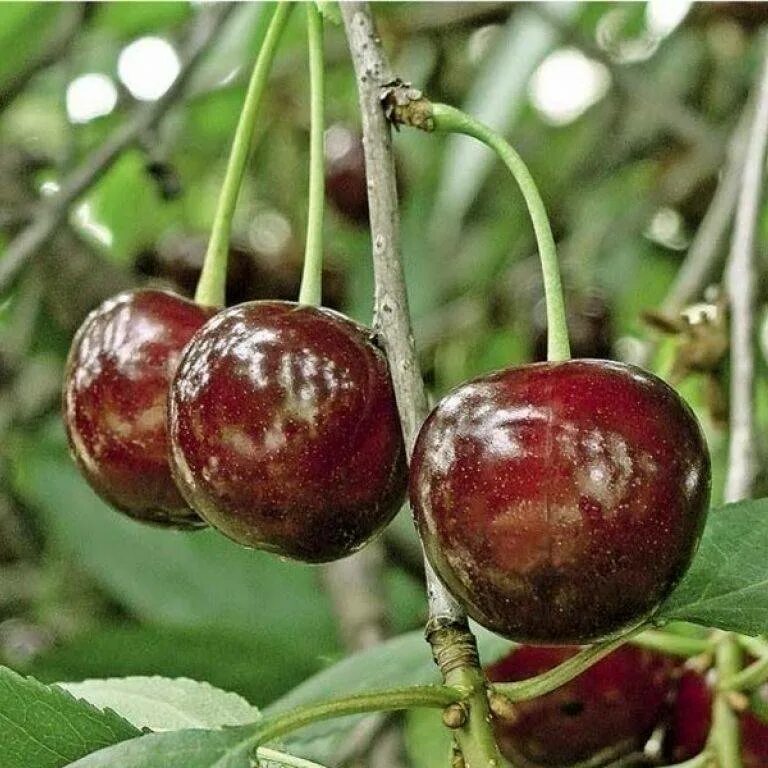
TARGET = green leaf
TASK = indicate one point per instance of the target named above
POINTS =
(45, 727)
(171, 578)
(329, 9)
(428, 742)
(178, 749)
(222, 657)
(727, 585)
(228, 748)
(162, 704)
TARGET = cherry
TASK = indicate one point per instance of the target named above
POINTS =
(610, 709)
(561, 502)
(691, 721)
(284, 430)
(114, 401)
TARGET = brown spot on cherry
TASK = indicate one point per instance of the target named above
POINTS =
(561, 502)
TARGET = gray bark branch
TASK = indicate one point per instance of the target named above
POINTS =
(53, 212)
(742, 295)
(391, 316)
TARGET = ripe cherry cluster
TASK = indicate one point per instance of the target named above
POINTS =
(560, 502)
(612, 710)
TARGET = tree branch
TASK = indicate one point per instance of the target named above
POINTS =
(453, 645)
(391, 318)
(53, 212)
(59, 43)
(742, 295)
(704, 251)
(355, 587)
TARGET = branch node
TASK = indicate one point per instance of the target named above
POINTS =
(453, 646)
(455, 716)
(405, 105)
(502, 706)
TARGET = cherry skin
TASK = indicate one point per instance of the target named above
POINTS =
(115, 396)
(561, 502)
(284, 430)
(691, 721)
(612, 708)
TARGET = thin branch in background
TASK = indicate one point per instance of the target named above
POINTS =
(67, 28)
(355, 586)
(53, 212)
(742, 297)
(705, 249)
(741, 287)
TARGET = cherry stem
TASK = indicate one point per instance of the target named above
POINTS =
(451, 120)
(429, 696)
(725, 736)
(747, 679)
(312, 275)
(552, 679)
(211, 287)
(675, 645)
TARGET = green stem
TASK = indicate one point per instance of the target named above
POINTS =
(312, 275)
(704, 760)
(573, 667)
(675, 645)
(450, 120)
(725, 735)
(475, 738)
(435, 696)
(749, 678)
(756, 646)
(212, 284)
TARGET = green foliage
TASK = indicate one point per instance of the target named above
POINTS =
(428, 743)
(726, 585)
(46, 727)
(167, 577)
(261, 667)
(161, 704)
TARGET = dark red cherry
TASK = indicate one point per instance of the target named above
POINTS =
(561, 502)
(611, 709)
(284, 430)
(691, 721)
(115, 396)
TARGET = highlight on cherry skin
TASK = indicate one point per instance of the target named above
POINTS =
(284, 430)
(561, 502)
(115, 397)
(610, 710)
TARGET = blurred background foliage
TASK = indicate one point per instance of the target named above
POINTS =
(624, 113)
